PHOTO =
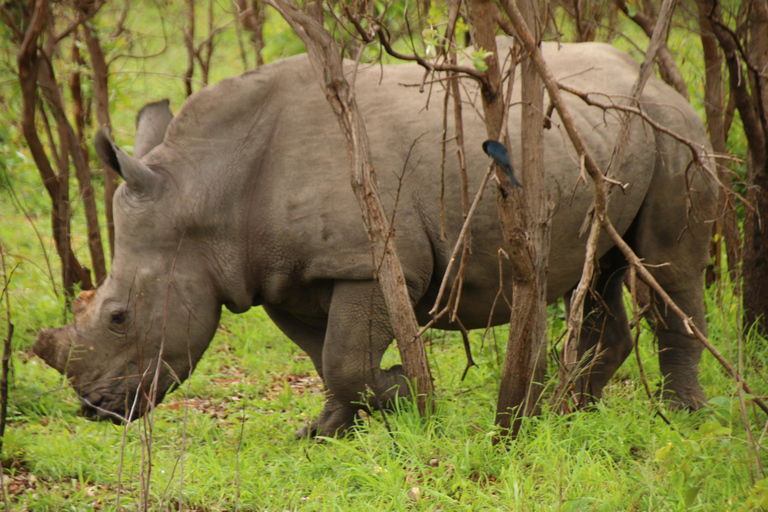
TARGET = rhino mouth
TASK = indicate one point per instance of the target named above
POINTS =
(97, 408)
(119, 408)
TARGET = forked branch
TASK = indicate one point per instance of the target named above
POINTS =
(327, 64)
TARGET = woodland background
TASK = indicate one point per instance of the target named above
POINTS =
(223, 441)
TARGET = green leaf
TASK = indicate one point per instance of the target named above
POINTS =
(689, 497)
(664, 452)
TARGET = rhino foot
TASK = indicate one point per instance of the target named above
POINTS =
(683, 400)
(335, 420)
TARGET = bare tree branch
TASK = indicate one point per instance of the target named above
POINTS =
(327, 63)
(600, 198)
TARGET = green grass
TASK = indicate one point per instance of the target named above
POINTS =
(225, 437)
(253, 389)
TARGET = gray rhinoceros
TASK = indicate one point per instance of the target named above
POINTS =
(244, 199)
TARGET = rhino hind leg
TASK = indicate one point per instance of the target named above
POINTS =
(673, 241)
(680, 352)
(605, 341)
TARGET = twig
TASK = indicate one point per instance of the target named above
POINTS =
(687, 321)
(6, 365)
(636, 337)
(237, 463)
(467, 349)
(460, 241)
(698, 151)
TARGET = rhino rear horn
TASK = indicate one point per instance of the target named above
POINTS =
(151, 125)
(139, 178)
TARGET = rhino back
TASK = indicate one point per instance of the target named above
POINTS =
(265, 154)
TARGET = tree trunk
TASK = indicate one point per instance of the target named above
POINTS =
(205, 52)
(101, 97)
(76, 90)
(254, 22)
(326, 60)
(70, 143)
(481, 12)
(714, 105)
(755, 263)
(585, 22)
(189, 43)
(28, 62)
(258, 31)
(752, 111)
(525, 227)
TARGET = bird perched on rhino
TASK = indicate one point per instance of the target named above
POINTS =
(498, 152)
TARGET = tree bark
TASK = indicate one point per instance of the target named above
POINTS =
(327, 63)
(482, 12)
(726, 227)
(189, 43)
(101, 97)
(752, 110)
(28, 63)
(755, 263)
(525, 227)
(70, 143)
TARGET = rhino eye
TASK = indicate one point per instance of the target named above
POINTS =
(118, 318)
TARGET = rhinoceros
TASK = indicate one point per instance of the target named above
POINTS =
(244, 199)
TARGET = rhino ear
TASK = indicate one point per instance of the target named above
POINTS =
(151, 125)
(139, 178)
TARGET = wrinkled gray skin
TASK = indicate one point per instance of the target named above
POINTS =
(246, 201)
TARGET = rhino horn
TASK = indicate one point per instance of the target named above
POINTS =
(140, 178)
(151, 125)
(52, 348)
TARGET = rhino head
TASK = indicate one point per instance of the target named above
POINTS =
(144, 329)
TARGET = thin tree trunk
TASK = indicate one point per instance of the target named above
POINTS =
(189, 42)
(7, 350)
(755, 263)
(28, 63)
(76, 91)
(482, 12)
(206, 51)
(525, 226)
(585, 24)
(751, 109)
(101, 97)
(325, 57)
(254, 22)
(714, 106)
(315, 10)
(68, 139)
(260, 17)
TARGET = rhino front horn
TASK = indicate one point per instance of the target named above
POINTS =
(139, 178)
(52, 348)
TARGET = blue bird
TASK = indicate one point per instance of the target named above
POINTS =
(498, 152)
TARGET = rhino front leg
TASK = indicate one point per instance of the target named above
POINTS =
(357, 336)
(308, 336)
